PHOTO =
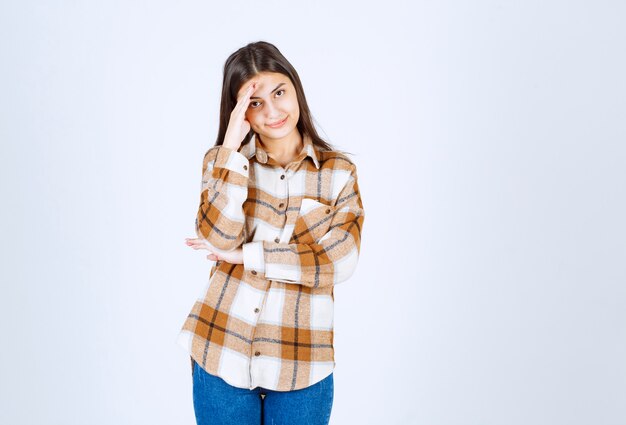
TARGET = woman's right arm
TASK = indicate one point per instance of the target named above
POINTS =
(221, 219)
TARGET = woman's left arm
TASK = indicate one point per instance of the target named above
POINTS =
(332, 259)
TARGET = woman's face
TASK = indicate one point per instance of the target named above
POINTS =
(273, 111)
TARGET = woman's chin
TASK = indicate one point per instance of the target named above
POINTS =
(278, 133)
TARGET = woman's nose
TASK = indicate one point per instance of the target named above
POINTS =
(271, 111)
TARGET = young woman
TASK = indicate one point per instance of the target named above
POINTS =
(281, 214)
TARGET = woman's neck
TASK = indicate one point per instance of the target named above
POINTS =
(285, 149)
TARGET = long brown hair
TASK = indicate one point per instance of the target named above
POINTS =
(245, 64)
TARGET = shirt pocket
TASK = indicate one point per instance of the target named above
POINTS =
(313, 221)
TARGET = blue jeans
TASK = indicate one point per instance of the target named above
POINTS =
(216, 402)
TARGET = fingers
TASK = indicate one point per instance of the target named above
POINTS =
(242, 101)
(196, 243)
(247, 92)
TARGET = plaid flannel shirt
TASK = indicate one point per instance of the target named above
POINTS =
(269, 321)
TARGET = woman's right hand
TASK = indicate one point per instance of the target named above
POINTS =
(233, 257)
(238, 125)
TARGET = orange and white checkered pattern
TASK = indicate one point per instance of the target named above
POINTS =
(269, 322)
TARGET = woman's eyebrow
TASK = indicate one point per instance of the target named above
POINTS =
(277, 87)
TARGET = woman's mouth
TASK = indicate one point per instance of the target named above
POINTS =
(278, 124)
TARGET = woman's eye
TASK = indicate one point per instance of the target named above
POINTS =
(255, 104)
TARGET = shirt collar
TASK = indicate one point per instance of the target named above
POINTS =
(254, 148)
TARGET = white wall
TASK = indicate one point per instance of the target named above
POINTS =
(489, 138)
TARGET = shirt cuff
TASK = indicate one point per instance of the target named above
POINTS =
(253, 258)
(232, 160)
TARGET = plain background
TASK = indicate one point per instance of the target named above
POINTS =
(489, 138)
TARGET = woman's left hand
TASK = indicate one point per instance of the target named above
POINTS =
(232, 257)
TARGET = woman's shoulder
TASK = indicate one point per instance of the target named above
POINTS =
(335, 159)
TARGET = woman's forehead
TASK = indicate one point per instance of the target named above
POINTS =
(267, 81)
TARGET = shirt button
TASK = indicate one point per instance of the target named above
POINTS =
(245, 167)
(282, 177)
(281, 205)
(253, 272)
(277, 240)
(328, 211)
(256, 310)
(257, 353)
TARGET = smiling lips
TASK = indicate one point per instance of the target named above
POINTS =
(278, 124)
